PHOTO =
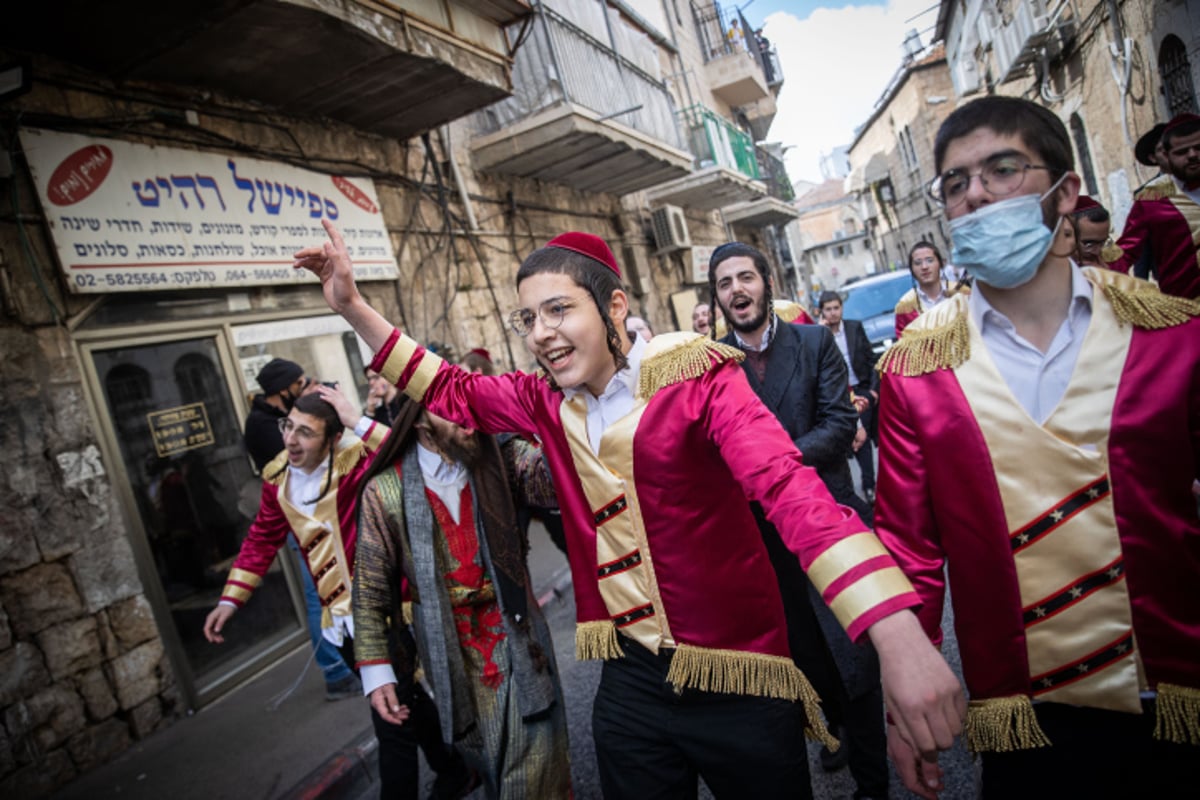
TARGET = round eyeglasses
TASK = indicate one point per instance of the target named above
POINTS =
(1000, 177)
(286, 426)
(550, 312)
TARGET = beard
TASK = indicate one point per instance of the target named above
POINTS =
(756, 319)
(463, 452)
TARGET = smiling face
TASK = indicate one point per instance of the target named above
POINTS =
(741, 294)
(575, 353)
(304, 439)
(926, 268)
(701, 319)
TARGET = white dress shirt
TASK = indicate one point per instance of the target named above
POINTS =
(617, 399)
(839, 336)
(1038, 380)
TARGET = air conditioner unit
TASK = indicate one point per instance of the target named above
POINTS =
(670, 229)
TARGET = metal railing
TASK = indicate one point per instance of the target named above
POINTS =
(725, 33)
(561, 63)
(715, 141)
(773, 173)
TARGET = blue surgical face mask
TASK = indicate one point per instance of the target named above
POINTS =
(1002, 244)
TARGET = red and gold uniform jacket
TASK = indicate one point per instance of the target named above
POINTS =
(661, 540)
(1166, 222)
(909, 306)
(326, 539)
(1072, 546)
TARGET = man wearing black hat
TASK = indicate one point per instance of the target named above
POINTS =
(1164, 221)
(281, 381)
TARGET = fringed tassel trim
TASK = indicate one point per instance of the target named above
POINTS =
(924, 350)
(683, 362)
(596, 640)
(1178, 712)
(738, 672)
(1003, 724)
(1110, 253)
(1150, 308)
(347, 457)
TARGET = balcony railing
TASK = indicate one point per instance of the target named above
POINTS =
(720, 36)
(773, 173)
(561, 63)
(715, 141)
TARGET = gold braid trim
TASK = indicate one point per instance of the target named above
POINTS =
(738, 672)
(596, 640)
(1178, 709)
(789, 311)
(1150, 308)
(1158, 189)
(1110, 253)
(923, 349)
(680, 363)
(347, 457)
(907, 303)
(1003, 724)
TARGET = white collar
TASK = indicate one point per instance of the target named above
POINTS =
(766, 337)
(983, 313)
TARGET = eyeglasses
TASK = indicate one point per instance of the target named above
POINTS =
(1092, 244)
(550, 312)
(286, 426)
(1000, 176)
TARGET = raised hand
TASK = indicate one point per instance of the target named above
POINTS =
(331, 263)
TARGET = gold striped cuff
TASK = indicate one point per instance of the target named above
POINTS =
(868, 592)
(242, 576)
(236, 592)
(376, 435)
(402, 355)
(842, 557)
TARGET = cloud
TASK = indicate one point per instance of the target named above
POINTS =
(836, 64)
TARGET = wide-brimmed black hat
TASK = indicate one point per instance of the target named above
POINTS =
(1144, 149)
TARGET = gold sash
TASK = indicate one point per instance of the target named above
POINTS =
(320, 539)
(1069, 564)
(625, 567)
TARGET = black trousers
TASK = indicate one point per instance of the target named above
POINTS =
(1095, 754)
(399, 772)
(652, 741)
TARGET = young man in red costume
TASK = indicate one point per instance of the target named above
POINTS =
(1053, 484)
(648, 444)
(1164, 223)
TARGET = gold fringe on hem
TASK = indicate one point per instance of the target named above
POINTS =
(683, 362)
(1150, 308)
(1003, 724)
(924, 350)
(738, 672)
(1178, 712)
(596, 640)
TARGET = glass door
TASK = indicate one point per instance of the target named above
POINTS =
(172, 415)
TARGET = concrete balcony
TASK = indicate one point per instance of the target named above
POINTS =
(393, 68)
(737, 78)
(760, 115)
(575, 147)
(707, 190)
(760, 213)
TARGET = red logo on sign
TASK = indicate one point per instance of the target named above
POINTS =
(80, 174)
(355, 194)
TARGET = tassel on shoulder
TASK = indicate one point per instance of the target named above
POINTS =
(275, 469)
(347, 457)
(927, 348)
(907, 302)
(1178, 712)
(686, 356)
(1149, 308)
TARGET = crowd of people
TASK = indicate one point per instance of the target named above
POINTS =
(1038, 441)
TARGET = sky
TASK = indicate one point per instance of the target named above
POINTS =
(837, 58)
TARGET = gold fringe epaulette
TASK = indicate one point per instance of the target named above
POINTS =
(275, 469)
(596, 640)
(1111, 253)
(1150, 308)
(789, 311)
(1003, 724)
(348, 456)
(738, 672)
(907, 302)
(926, 347)
(1158, 189)
(1178, 711)
(686, 356)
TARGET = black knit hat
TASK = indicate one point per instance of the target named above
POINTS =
(278, 374)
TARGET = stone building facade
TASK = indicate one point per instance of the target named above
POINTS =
(435, 119)
(831, 239)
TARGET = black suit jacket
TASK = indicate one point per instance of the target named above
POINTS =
(861, 357)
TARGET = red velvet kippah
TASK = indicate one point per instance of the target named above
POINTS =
(1083, 203)
(1180, 119)
(588, 245)
(479, 351)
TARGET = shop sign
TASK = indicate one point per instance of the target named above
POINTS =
(182, 428)
(134, 217)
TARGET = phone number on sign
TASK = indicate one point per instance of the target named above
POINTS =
(141, 279)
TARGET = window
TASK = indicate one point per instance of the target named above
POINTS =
(1176, 76)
